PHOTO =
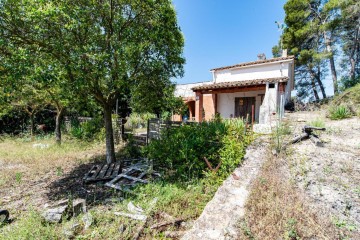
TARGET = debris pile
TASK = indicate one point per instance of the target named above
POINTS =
(308, 133)
(64, 208)
(131, 174)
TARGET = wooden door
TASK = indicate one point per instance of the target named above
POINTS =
(243, 106)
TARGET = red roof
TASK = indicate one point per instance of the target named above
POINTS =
(240, 83)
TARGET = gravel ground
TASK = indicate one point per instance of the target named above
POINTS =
(329, 175)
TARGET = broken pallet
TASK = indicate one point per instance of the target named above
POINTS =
(103, 172)
(130, 177)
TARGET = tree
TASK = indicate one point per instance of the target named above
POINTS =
(303, 37)
(103, 46)
(350, 35)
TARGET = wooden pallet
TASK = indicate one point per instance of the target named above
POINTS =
(103, 172)
(130, 177)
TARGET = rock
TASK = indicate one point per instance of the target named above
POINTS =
(88, 220)
(55, 215)
(78, 207)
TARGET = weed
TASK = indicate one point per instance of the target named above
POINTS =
(357, 191)
(343, 224)
(327, 170)
(246, 230)
(317, 123)
(279, 136)
(18, 177)
(291, 233)
(59, 171)
(339, 112)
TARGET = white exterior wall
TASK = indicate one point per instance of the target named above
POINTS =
(226, 102)
(184, 90)
(269, 70)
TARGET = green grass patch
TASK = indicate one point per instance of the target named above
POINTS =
(339, 112)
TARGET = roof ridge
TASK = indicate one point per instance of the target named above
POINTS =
(240, 83)
(254, 63)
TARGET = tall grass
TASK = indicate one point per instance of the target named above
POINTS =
(339, 112)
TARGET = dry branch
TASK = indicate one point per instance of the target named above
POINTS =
(171, 222)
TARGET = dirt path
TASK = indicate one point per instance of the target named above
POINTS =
(221, 215)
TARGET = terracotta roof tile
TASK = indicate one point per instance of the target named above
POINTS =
(254, 63)
(243, 83)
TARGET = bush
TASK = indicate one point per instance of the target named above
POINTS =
(339, 112)
(88, 130)
(180, 152)
(137, 120)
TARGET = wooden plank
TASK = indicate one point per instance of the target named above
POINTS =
(135, 179)
(89, 173)
(116, 170)
(110, 169)
(103, 171)
(96, 173)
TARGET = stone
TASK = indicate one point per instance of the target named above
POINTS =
(56, 212)
(55, 215)
(78, 207)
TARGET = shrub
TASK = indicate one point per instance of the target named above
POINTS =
(180, 152)
(339, 112)
(317, 123)
(88, 130)
(137, 120)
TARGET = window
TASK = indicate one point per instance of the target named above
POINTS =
(271, 85)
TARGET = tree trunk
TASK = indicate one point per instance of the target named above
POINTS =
(32, 126)
(352, 55)
(352, 68)
(321, 85)
(313, 86)
(58, 126)
(332, 63)
(110, 149)
(314, 79)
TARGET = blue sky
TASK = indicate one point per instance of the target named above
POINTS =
(225, 32)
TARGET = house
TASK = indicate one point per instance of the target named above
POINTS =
(255, 90)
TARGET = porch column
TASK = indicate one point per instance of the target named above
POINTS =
(199, 107)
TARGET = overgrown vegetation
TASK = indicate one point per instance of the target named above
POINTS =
(183, 191)
(347, 103)
(339, 112)
(181, 152)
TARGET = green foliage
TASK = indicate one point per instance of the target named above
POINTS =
(349, 98)
(18, 177)
(278, 136)
(339, 112)
(180, 152)
(29, 226)
(89, 130)
(138, 120)
(104, 50)
(291, 233)
(347, 82)
(317, 123)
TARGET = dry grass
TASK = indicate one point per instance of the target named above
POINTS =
(276, 210)
(31, 177)
(20, 160)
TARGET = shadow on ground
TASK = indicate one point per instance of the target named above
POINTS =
(71, 185)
